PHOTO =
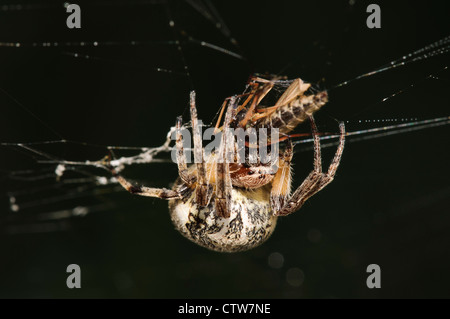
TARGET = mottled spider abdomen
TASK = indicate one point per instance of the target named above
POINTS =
(251, 220)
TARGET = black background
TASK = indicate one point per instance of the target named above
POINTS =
(388, 204)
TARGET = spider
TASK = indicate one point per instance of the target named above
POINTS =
(228, 206)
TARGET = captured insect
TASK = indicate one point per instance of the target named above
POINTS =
(231, 206)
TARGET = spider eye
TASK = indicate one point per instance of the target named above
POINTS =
(250, 172)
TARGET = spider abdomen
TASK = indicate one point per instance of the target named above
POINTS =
(251, 220)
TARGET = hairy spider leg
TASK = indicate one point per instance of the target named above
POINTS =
(162, 193)
(316, 180)
(281, 185)
(183, 171)
(223, 178)
(202, 191)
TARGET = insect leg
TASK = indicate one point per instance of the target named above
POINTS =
(238, 109)
(259, 95)
(296, 89)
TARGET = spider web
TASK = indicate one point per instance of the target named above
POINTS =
(71, 97)
(164, 63)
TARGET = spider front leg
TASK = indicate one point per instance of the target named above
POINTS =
(223, 178)
(281, 185)
(183, 171)
(316, 180)
(202, 191)
(257, 97)
(162, 193)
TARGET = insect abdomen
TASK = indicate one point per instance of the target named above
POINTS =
(287, 117)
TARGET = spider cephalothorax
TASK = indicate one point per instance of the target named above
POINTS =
(233, 204)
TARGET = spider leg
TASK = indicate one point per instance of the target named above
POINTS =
(202, 191)
(223, 178)
(183, 171)
(281, 185)
(316, 180)
(162, 193)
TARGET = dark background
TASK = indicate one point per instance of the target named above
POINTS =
(388, 204)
